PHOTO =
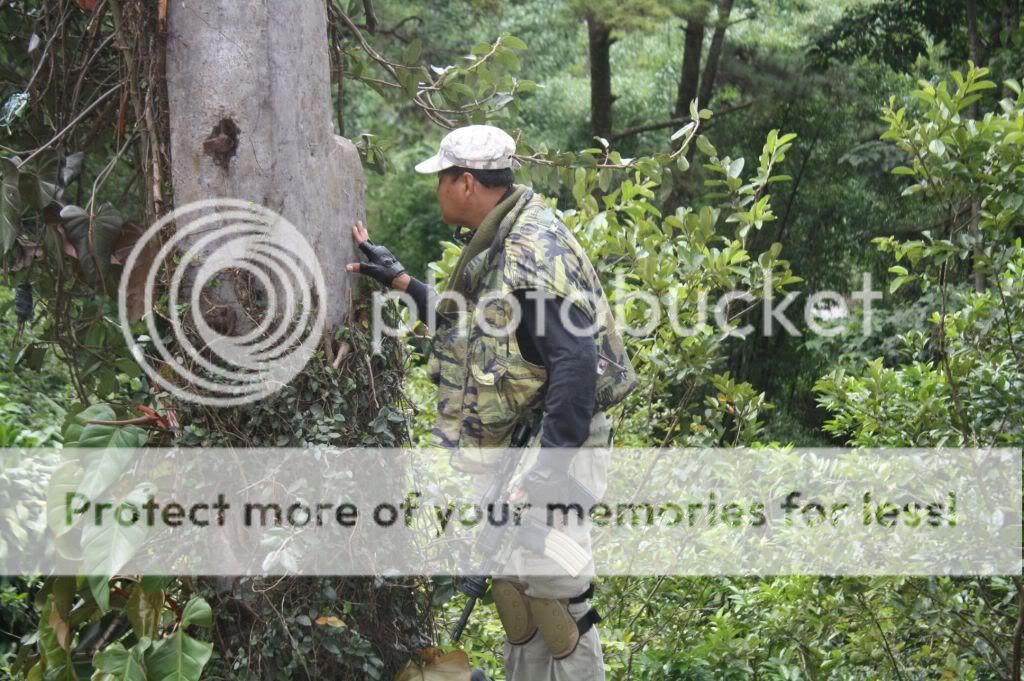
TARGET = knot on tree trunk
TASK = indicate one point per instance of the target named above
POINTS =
(222, 142)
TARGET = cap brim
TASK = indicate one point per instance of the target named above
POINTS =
(434, 164)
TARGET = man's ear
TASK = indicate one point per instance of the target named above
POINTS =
(466, 181)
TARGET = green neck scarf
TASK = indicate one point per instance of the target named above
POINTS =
(483, 238)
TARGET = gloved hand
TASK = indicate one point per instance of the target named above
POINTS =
(380, 263)
(547, 481)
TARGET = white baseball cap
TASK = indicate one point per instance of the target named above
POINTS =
(483, 147)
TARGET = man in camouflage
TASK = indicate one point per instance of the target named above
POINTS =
(522, 334)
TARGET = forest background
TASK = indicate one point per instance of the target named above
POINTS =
(879, 137)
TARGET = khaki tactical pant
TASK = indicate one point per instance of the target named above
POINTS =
(532, 661)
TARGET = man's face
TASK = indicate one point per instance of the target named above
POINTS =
(452, 195)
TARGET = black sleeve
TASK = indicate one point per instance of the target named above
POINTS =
(423, 296)
(570, 398)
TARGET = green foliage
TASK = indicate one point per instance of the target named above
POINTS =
(788, 627)
(69, 258)
(942, 365)
(78, 626)
(179, 657)
(694, 263)
(33, 384)
(895, 32)
(961, 383)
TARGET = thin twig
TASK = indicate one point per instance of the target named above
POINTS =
(1009, 329)
(885, 641)
(629, 132)
(72, 124)
(373, 387)
(1018, 630)
(428, 108)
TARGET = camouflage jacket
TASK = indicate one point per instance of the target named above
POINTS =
(485, 384)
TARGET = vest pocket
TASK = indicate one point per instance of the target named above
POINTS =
(506, 387)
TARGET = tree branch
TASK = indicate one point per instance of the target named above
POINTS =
(73, 123)
(636, 130)
(371, 18)
(431, 111)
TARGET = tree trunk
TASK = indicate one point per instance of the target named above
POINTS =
(707, 81)
(259, 75)
(601, 98)
(690, 74)
(250, 112)
(973, 41)
(974, 47)
(1011, 23)
(1011, 15)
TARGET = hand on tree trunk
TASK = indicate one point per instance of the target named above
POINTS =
(381, 264)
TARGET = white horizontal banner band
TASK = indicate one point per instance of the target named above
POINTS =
(367, 511)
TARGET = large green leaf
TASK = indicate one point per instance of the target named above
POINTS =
(63, 590)
(99, 586)
(10, 204)
(64, 481)
(143, 610)
(34, 192)
(115, 663)
(94, 236)
(197, 611)
(74, 425)
(178, 658)
(113, 445)
(181, 657)
(152, 583)
(95, 435)
(108, 545)
(102, 468)
(59, 666)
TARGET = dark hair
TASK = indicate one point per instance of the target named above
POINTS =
(489, 177)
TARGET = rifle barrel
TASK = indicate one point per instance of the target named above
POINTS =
(461, 624)
(520, 438)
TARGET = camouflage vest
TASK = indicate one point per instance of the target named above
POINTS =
(485, 384)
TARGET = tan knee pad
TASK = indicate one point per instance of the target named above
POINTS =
(513, 611)
(556, 625)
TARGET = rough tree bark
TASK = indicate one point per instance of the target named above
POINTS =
(601, 97)
(249, 103)
(707, 81)
(250, 116)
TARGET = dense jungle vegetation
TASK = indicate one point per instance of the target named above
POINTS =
(694, 147)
